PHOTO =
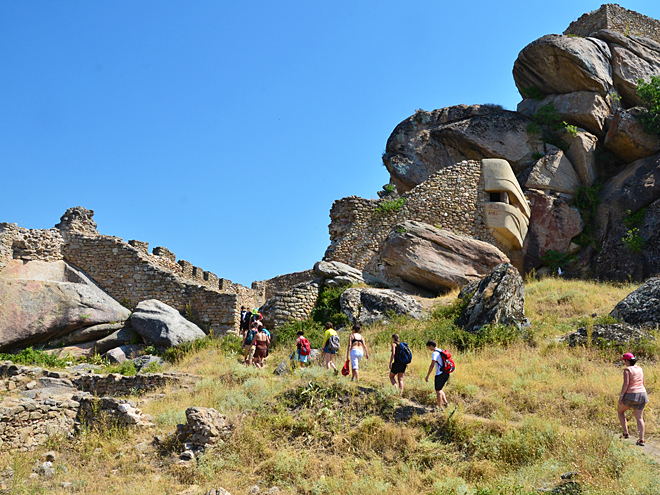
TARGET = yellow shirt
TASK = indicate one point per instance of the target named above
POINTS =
(326, 336)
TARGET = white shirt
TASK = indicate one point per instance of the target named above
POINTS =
(439, 362)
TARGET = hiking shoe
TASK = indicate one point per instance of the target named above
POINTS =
(641, 443)
(625, 435)
(336, 371)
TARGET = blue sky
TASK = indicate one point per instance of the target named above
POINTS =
(224, 131)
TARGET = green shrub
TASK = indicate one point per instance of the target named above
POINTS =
(634, 219)
(634, 241)
(571, 129)
(587, 200)
(650, 95)
(127, 368)
(391, 205)
(176, 353)
(35, 357)
(554, 259)
(532, 92)
(328, 308)
(388, 188)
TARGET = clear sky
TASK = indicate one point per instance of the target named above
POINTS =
(225, 130)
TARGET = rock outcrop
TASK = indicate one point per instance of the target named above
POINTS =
(499, 299)
(162, 325)
(42, 301)
(627, 138)
(642, 306)
(435, 259)
(205, 426)
(429, 141)
(368, 306)
(607, 335)
(337, 274)
(553, 172)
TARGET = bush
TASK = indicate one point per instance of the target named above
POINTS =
(554, 259)
(328, 308)
(391, 205)
(650, 95)
(31, 356)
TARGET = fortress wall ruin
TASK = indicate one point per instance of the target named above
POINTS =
(451, 199)
(612, 16)
(282, 283)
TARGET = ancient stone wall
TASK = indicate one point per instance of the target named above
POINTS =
(27, 244)
(283, 283)
(294, 304)
(612, 16)
(450, 199)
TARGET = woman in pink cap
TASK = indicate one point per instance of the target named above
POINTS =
(633, 396)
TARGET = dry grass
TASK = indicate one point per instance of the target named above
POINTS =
(521, 414)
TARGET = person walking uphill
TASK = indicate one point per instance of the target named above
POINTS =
(633, 396)
(356, 350)
(330, 346)
(399, 360)
(441, 376)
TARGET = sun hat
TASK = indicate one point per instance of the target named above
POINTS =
(627, 356)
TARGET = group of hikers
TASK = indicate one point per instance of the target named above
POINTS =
(256, 340)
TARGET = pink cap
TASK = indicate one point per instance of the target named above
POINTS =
(627, 356)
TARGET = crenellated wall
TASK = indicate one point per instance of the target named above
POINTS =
(612, 16)
(451, 199)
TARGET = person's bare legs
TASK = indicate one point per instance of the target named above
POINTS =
(620, 411)
(641, 427)
(329, 361)
(393, 379)
(399, 379)
(442, 397)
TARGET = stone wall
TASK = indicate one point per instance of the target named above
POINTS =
(294, 304)
(283, 283)
(128, 272)
(612, 16)
(115, 384)
(27, 423)
(450, 199)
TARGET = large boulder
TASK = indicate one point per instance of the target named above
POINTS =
(87, 334)
(606, 335)
(627, 138)
(162, 325)
(557, 64)
(204, 426)
(435, 259)
(368, 306)
(42, 301)
(123, 336)
(582, 154)
(553, 172)
(123, 353)
(430, 141)
(642, 306)
(551, 227)
(626, 194)
(499, 299)
(584, 109)
(633, 58)
(337, 274)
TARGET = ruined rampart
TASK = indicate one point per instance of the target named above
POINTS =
(451, 199)
(612, 16)
(283, 283)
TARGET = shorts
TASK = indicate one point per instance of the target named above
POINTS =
(398, 368)
(328, 351)
(302, 359)
(251, 353)
(440, 381)
(635, 400)
(356, 355)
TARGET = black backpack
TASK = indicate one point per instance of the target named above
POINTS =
(404, 355)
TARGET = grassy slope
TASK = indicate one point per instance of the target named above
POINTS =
(520, 416)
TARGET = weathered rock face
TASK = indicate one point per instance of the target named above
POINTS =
(124, 352)
(584, 109)
(368, 306)
(77, 220)
(605, 335)
(43, 300)
(552, 226)
(436, 259)
(553, 172)
(499, 299)
(429, 141)
(582, 154)
(627, 138)
(162, 325)
(337, 274)
(557, 64)
(87, 334)
(642, 306)
(636, 187)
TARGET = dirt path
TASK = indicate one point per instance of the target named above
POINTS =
(651, 449)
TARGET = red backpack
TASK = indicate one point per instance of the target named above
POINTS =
(448, 363)
(304, 346)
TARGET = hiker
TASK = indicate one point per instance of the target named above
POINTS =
(248, 344)
(398, 362)
(441, 376)
(330, 346)
(303, 349)
(261, 342)
(633, 396)
(357, 348)
(261, 327)
(245, 319)
(255, 316)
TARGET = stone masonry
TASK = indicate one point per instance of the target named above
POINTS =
(612, 16)
(128, 272)
(450, 199)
